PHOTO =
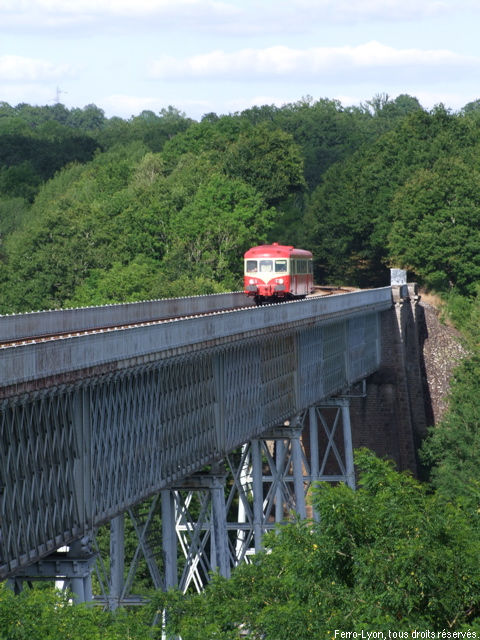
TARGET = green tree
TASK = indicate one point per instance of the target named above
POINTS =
(28, 159)
(202, 137)
(268, 160)
(154, 130)
(350, 214)
(47, 614)
(451, 450)
(19, 181)
(13, 211)
(67, 233)
(471, 108)
(390, 555)
(210, 232)
(90, 118)
(436, 228)
(136, 280)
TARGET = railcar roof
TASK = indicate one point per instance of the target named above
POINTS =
(277, 250)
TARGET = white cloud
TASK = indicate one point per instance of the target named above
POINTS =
(232, 17)
(318, 62)
(110, 6)
(127, 105)
(63, 13)
(347, 11)
(18, 69)
(240, 104)
(34, 94)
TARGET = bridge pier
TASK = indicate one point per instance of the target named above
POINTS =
(72, 567)
(218, 519)
(117, 561)
(169, 539)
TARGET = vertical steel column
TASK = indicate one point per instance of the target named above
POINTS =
(279, 495)
(347, 439)
(297, 464)
(78, 589)
(169, 539)
(257, 488)
(117, 560)
(87, 588)
(80, 586)
(220, 558)
(244, 480)
(314, 456)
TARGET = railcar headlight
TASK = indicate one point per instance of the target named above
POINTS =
(280, 280)
(251, 281)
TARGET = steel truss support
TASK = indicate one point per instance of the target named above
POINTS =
(337, 446)
(217, 519)
(221, 517)
(72, 568)
(117, 581)
(193, 517)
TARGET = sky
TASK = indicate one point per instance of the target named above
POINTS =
(223, 56)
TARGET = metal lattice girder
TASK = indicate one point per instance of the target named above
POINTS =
(77, 455)
(194, 535)
(149, 543)
(201, 527)
(220, 518)
(37, 476)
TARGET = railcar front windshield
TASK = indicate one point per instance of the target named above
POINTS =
(265, 265)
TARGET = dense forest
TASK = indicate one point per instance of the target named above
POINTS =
(96, 210)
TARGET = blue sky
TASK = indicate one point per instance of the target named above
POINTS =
(227, 55)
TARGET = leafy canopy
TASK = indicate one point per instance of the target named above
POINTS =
(391, 555)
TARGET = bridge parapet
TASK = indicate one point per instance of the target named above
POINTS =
(54, 321)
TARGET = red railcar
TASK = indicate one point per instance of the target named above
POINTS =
(275, 272)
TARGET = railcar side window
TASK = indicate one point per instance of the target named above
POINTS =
(266, 266)
(251, 266)
(280, 266)
(302, 266)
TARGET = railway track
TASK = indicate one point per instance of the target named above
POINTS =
(171, 313)
(104, 329)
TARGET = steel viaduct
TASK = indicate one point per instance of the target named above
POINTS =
(212, 424)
